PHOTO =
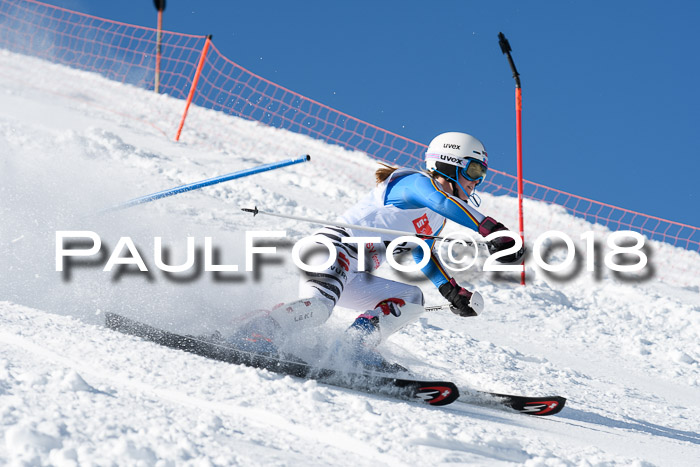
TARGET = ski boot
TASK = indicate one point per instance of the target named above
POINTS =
(257, 336)
(365, 335)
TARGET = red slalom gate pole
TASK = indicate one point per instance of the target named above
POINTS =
(519, 144)
(505, 48)
(202, 58)
(160, 6)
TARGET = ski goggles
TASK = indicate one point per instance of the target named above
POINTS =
(474, 171)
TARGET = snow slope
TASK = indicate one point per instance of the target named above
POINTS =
(624, 350)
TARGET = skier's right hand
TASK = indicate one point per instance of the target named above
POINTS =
(459, 297)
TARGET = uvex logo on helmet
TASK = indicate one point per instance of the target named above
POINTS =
(450, 146)
(455, 160)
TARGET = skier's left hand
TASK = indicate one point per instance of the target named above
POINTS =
(488, 226)
(459, 297)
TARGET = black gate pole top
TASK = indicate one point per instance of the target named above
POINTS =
(505, 48)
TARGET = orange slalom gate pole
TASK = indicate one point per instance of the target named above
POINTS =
(505, 48)
(207, 43)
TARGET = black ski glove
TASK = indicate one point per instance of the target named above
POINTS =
(459, 297)
(488, 226)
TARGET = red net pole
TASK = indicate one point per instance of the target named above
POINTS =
(159, 38)
(505, 48)
(160, 6)
(197, 73)
(158, 49)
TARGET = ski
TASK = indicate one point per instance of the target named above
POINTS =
(541, 406)
(532, 405)
(432, 392)
(436, 393)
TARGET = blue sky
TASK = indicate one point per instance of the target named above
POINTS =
(610, 98)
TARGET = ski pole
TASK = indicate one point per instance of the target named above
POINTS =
(255, 211)
(207, 182)
(476, 302)
(443, 307)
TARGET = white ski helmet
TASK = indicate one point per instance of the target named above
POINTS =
(451, 151)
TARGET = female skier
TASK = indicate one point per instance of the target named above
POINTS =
(406, 200)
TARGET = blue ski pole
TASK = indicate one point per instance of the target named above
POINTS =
(207, 182)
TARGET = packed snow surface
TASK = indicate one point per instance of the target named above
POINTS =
(623, 348)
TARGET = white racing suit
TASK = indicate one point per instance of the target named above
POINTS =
(418, 205)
